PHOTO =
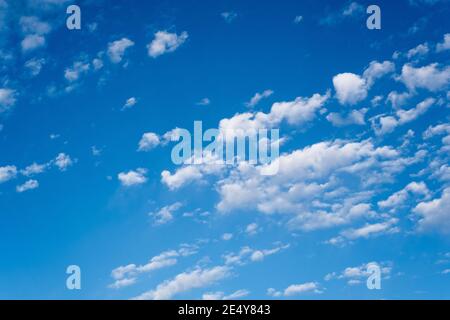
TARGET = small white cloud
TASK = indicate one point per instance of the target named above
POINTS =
(444, 45)
(117, 49)
(131, 102)
(165, 42)
(295, 289)
(298, 19)
(78, 68)
(34, 66)
(7, 173)
(63, 161)
(32, 42)
(149, 141)
(252, 229)
(221, 296)
(34, 169)
(419, 51)
(350, 88)
(165, 214)
(227, 236)
(355, 117)
(258, 97)
(7, 99)
(204, 102)
(186, 281)
(430, 77)
(132, 178)
(29, 185)
(229, 16)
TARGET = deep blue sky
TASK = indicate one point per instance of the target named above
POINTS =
(62, 98)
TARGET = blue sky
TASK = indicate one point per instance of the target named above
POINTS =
(86, 176)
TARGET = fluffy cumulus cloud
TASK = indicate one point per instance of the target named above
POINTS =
(355, 117)
(296, 112)
(117, 49)
(165, 42)
(7, 173)
(431, 77)
(445, 44)
(29, 185)
(350, 88)
(149, 141)
(434, 215)
(258, 97)
(399, 198)
(296, 289)
(130, 103)
(7, 99)
(34, 31)
(186, 281)
(165, 214)
(133, 177)
(387, 123)
(222, 296)
(128, 275)
(63, 161)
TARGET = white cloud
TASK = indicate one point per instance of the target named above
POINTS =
(296, 112)
(181, 177)
(32, 24)
(221, 296)
(445, 44)
(295, 289)
(165, 214)
(370, 230)
(298, 19)
(34, 66)
(398, 99)
(247, 254)
(355, 117)
(350, 88)
(377, 70)
(252, 229)
(128, 274)
(63, 161)
(204, 102)
(229, 16)
(186, 281)
(387, 124)
(258, 97)
(117, 49)
(34, 169)
(430, 77)
(165, 42)
(29, 185)
(435, 215)
(399, 198)
(132, 178)
(227, 236)
(353, 8)
(419, 51)
(149, 141)
(32, 42)
(118, 284)
(131, 102)
(7, 173)
(78, 68)
(7, 99)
